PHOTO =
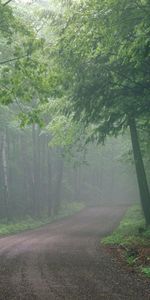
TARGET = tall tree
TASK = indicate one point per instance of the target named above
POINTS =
(104, 51)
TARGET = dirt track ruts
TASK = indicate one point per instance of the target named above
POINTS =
(65, 261)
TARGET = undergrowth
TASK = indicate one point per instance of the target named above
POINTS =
(131, 230)
(146, 271)
(28, 223)
(132, 240)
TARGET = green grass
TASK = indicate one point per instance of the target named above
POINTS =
(28, 223)
(131, 238)
(146, 271)
(127, 233)
(130, 260)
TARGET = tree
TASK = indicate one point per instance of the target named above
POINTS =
(104, 52)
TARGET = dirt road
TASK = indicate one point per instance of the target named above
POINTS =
(65, 261)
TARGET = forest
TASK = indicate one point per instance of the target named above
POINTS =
(74, 149)
(73, 74)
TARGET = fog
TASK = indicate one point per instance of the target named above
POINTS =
(36, 179)
(107, 177)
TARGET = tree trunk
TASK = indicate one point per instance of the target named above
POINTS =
(57, 196)
(77, 183)
(5, 175)
(2, 203)
(140, 171)
(35, 173)
(25, 175)
(49, 179)
(40, 193)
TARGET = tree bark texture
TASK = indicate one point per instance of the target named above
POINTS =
(140, 171)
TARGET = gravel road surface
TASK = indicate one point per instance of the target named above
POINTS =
(65, 261)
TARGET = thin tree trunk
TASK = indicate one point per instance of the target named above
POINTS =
(57, 195)
(112, 177)
(40, 194)
(25, 175)
(2, 204)
(140, 171)
(76, 180)
(36, 170)
(50, 204)
(5, 175)
(34, 186)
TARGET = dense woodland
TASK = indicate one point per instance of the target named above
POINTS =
(37, 178)
(74, 105)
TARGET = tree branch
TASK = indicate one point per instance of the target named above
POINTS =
(7, 2)
(12, 59)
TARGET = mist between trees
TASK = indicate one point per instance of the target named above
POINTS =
(35, 179)
(73, 72)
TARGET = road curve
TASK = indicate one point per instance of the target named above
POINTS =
(65, 261)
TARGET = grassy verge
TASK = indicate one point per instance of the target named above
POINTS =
(132, 241)
(28, 223)
(131, 230)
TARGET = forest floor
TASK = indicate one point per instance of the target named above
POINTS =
(130, 241)
(65, 261)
